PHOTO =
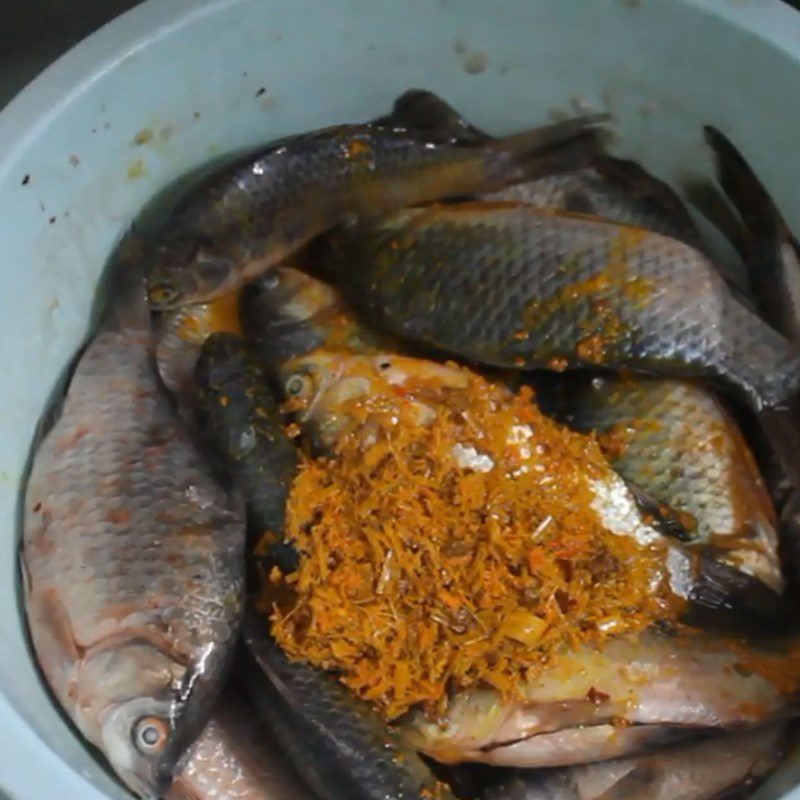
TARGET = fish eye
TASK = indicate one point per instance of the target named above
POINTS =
(298, 384)
(150, 735)
(161, 294)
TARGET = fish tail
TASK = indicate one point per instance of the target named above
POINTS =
(747, 193)
(548, 150)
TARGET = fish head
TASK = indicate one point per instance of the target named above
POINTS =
(290, 314)
(132, 703)
(185, 273)
(333, 393)
(222, 361)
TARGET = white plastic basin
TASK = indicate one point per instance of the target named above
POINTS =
(188, 75)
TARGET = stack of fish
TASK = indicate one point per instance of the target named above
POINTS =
(536, 253)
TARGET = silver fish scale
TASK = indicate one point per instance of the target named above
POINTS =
(126, 533)
(682, 446)
(320, 170)
(517, 287)
(588, 191)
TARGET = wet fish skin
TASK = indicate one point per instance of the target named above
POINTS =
(585, 181)
(133, 563)
(247, 218)
(616, 189)
(301, 329)
(677, 441)
(180, 335)
(598, 703)
(512, 286)
(290, 313)
(339, 744)
(235, 758)
(241, 420)
(696, 771)
(772, 257)
(324, 362)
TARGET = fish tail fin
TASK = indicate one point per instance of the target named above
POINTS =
(122, 291)
(570, 144)
(707, 198)
(743, 187)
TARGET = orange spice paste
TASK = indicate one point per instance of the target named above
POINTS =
(438, 556)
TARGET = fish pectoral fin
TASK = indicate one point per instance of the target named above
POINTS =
(665, 519)
(638, 784)
(725, 597)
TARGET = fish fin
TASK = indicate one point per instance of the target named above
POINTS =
(426, 112)
(577, 152)
(638, 784)
(535, 151)
(665, 520)
(725, 598)
(709, 201)
(644, 186)
(744, 189)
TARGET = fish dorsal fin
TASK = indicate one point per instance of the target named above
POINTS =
(423, 111)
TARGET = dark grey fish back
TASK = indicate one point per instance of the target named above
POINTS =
(511, 287)
(339, 742)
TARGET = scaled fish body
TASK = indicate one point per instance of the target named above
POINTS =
(234, 758)
(675, 440)
(772, 257)
(615, 189)
(339, 744)
(601, 703)
(133, 563)
(696, 771)
(240, 418)
(243, 220)
(510, 285)
(331, 373)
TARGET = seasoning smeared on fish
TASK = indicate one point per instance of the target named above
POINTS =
(601, 703)
(513, 286)
(677, 441)
(180, 335)
(340, 745)
(247, 218)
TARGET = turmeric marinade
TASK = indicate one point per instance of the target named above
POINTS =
(450, 534)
